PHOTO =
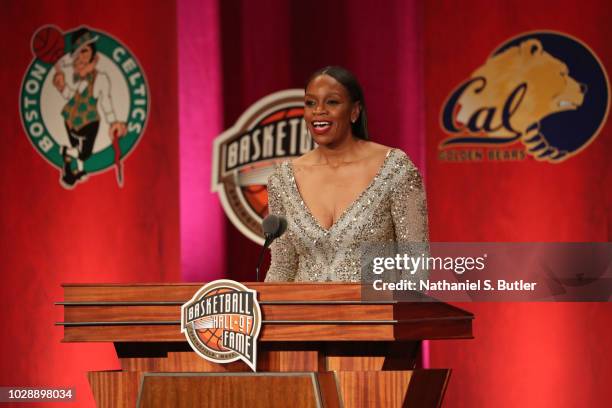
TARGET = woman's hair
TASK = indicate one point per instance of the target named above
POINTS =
(350, 83)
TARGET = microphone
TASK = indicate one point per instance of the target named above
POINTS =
(273, 227)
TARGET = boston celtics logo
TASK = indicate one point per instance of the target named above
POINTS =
(84, 102)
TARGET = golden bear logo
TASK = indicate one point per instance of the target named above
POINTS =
(518, 89)
(538, 85)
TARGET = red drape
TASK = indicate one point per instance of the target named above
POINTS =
(527, 355)
(96, 232)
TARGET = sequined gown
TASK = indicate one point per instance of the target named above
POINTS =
(391, 208)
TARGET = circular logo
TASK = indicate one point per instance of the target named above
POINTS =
(270, 131)
(84, 102)
(544, 89)
(222, 322)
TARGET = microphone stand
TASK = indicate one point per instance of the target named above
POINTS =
(269, 240)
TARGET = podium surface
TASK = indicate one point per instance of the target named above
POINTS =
(319, 340)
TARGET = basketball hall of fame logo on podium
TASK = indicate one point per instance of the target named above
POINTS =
(269, 132)
(222, 322)
(84, 102)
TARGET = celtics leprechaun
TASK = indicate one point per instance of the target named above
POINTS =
(88, 90)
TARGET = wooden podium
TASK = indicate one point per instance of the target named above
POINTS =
(320, 346)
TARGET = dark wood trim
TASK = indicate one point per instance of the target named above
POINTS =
(426, 388)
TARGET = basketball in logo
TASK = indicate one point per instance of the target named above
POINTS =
(256, 195)
(209, 336)
(270, 131)
(48, 44)
(544, 90)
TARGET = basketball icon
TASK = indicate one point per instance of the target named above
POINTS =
(48, 44)
(212, 337)
(256, 195)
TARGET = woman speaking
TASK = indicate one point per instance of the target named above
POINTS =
(345, 192)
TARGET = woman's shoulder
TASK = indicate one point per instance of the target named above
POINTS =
(380, 150)
(279, 173)
(406, 172)
(401, 168)
(404, 159)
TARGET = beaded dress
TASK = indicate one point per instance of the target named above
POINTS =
(391, 208)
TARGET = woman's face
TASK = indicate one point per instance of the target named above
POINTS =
(328, 110)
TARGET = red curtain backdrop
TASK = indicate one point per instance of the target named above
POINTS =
(200, 120)
(409, 56)
(523, 355)
(97, 232)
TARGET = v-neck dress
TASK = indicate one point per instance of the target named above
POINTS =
(391, 208)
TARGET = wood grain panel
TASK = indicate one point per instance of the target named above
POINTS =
(436, 329)
(373, 389)
(182, 292)
(112, 313)
(145, 333)
(281, 332)
(127, 293)
(249, 390)
(427, 388)
(330, 392)
(288, 361)
(327, 332)
(354, 363)
(415, 321)
(327, 312)
(121, 313)
(179, 362)
(114, 389)
(427, 310)
(188, 361)
(372, 356)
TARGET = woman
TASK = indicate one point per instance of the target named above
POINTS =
(345, 192)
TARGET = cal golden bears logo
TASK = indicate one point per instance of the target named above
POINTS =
(270, 131)
(545, 92)
(222, 322)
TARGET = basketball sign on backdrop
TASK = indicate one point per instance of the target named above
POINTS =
(84, 102)
(270, 131)
(542, 94)
(222, 322)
